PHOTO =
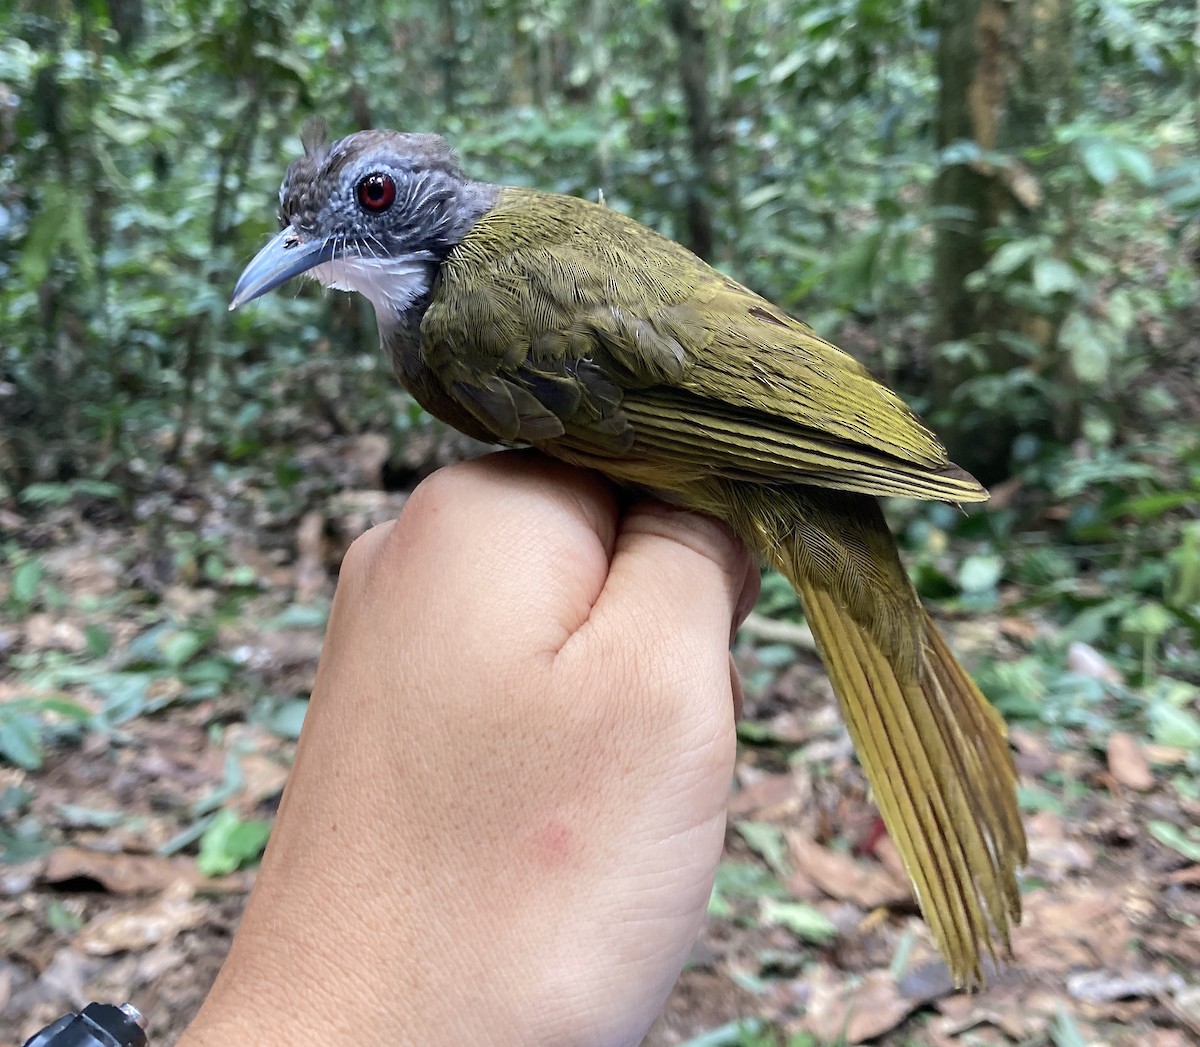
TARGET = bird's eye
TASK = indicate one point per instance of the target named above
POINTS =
(376, 192)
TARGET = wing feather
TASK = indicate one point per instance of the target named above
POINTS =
(592, 333)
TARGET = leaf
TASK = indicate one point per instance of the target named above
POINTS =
(1101, 160)
(76, 236)
(1135, 163)
(124, 695)
(1175, 838)
(764, 194)
(732, 1034)
(1014, 254)
(43, 238)
(65, 708)
(46, 494)
(1178, 728)
(979, 572)
(1152, 506)
(805, 921)
(1088, 352)
(1064, 1032)
(178, 648)
(1149, 618)
(99, 641)
(21, 741)
(288, 718)
(24, 845)
(229, 842)
(24, 584)
(788, 66)
(767, 842)
(1054, 276)
(746, 880)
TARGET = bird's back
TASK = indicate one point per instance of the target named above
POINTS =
(630, 342)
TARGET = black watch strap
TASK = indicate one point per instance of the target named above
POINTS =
(97, 1025)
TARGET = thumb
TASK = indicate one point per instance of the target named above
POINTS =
(685, 571)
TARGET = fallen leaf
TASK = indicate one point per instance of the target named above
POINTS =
(369, 454)
(262, 777)
(1186, 1006)
(352, 512)
(1051, 851)
(1074, 926)
(84, 570)
(840, 876)
(1169, 1038)
(1188, 876)
(66, 976)
(1034, 757)
(157, 961)
(1085, 660)
(135, 930)
(767, 796)
(889, 857)
(927, 982)
(1024, 630)
(1018, 1011)
(1127, 762)
(310, 574)
(44, 632)
(132, 873)
(1107, 986)
(1166, 755)
(805, 921)
(854, 1010)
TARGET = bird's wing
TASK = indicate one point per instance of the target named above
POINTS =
(563, 324)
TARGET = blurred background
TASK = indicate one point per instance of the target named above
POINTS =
(995, 205)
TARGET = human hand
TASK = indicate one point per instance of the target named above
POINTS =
(508, 802)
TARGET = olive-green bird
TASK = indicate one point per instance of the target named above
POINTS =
(527, 317)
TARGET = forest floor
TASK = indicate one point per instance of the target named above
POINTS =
(194, 635)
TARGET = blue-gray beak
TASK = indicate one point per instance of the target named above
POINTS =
(284, 257)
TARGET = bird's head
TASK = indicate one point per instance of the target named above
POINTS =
(374, 212)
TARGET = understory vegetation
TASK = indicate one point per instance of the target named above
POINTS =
(178, 483)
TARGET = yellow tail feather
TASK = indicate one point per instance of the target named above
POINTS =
(934, 751)
(942, 777)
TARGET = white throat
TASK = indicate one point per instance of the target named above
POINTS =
(390, 284)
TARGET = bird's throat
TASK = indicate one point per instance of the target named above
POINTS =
(392, 285)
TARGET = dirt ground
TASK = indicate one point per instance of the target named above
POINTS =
(813, 926)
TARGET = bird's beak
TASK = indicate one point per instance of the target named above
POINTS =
(284, 257)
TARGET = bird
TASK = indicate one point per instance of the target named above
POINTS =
(532, 318)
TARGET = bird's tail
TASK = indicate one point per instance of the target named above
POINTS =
(934, 750)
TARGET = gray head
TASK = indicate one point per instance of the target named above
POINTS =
(374, 212)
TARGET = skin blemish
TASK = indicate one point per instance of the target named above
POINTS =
(554, 843)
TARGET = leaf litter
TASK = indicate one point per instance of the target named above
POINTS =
(813, 928)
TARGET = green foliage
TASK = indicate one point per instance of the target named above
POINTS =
(148, 160)
(138, 172)
(752, 1033)
(230, 842)
(766, 840)
(29, 725)
(805, 921)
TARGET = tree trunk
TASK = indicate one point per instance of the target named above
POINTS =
(688, 28)
(1004, 82)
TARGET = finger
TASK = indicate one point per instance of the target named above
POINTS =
(679, 570)
(510, 538)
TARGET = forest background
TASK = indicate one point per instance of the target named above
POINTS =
(995, 205)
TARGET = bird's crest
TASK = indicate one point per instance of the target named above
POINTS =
(314, 136)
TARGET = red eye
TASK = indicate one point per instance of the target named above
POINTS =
(377, 192)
